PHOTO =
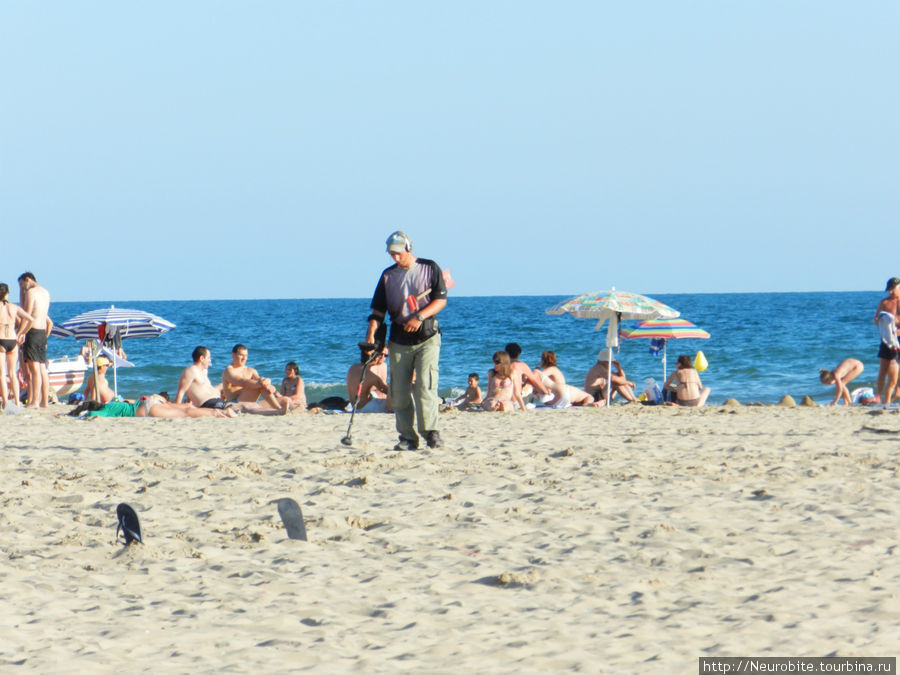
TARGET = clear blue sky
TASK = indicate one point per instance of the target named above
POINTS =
(200, 150)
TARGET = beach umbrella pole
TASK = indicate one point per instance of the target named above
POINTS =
(664, 363)
(612, 330)
(95, 350)
(609, 381)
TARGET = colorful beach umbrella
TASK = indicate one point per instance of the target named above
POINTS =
(616, 306)
(113, 324)
(665, 329)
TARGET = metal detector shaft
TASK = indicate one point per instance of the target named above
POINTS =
(376, 350)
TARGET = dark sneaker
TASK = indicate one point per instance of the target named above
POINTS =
(433, 438)
(407, 444)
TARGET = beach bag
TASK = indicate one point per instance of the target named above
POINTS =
(652, 391)
(863, 396)
(700, 362)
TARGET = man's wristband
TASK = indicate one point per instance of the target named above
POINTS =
(421, 317)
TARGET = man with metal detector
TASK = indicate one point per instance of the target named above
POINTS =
(412, 291)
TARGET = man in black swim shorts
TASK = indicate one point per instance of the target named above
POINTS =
(35, 346)
(35, 300)
(214, 403)
(888, 361)
(194, 382)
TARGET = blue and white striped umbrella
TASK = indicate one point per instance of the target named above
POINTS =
(127, 323)
(113, 324)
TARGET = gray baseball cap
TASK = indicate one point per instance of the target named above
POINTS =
(398, 241)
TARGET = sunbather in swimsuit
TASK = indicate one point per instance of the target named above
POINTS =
(116, 409)
(558, 392)
(685, 382)
(500, 394)
(9, 314)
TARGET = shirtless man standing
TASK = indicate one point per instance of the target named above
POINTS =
(373, 391)
(888, 367)
(241, 383)
(35, 300)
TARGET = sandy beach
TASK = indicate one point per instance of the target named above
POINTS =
(627, 540)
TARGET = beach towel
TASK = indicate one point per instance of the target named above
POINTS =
(887, 329)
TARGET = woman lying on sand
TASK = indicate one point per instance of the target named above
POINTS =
(147, 406)
(561, 395)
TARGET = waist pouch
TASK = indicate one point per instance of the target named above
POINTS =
(428, 329)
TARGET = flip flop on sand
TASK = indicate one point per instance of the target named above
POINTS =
(128, 523)
(292, 517)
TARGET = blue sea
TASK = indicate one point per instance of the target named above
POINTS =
(762, 345)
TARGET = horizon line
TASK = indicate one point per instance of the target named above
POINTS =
(530, 295)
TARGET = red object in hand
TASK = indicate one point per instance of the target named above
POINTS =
(413, 301)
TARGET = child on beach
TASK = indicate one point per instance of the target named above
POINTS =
(844, 372)
(472, 396)
(292, 387)
(503, 389)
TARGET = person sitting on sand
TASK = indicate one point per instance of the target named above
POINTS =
(595, 380)
(561, 395)
(685, 382)
(528, 380)
(102, 390)
(373, 391)
(472, 395)
(292, 387)
(194, 383)
(242, 384)
(154, 405)
(504, 390)
(617, 379)
(844, 372)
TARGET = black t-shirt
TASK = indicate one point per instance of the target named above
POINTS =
(403, 293)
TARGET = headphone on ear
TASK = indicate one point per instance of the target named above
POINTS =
(399, 237)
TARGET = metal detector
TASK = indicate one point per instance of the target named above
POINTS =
(376, 350)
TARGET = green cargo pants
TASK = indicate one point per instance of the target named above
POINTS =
(421, 397)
